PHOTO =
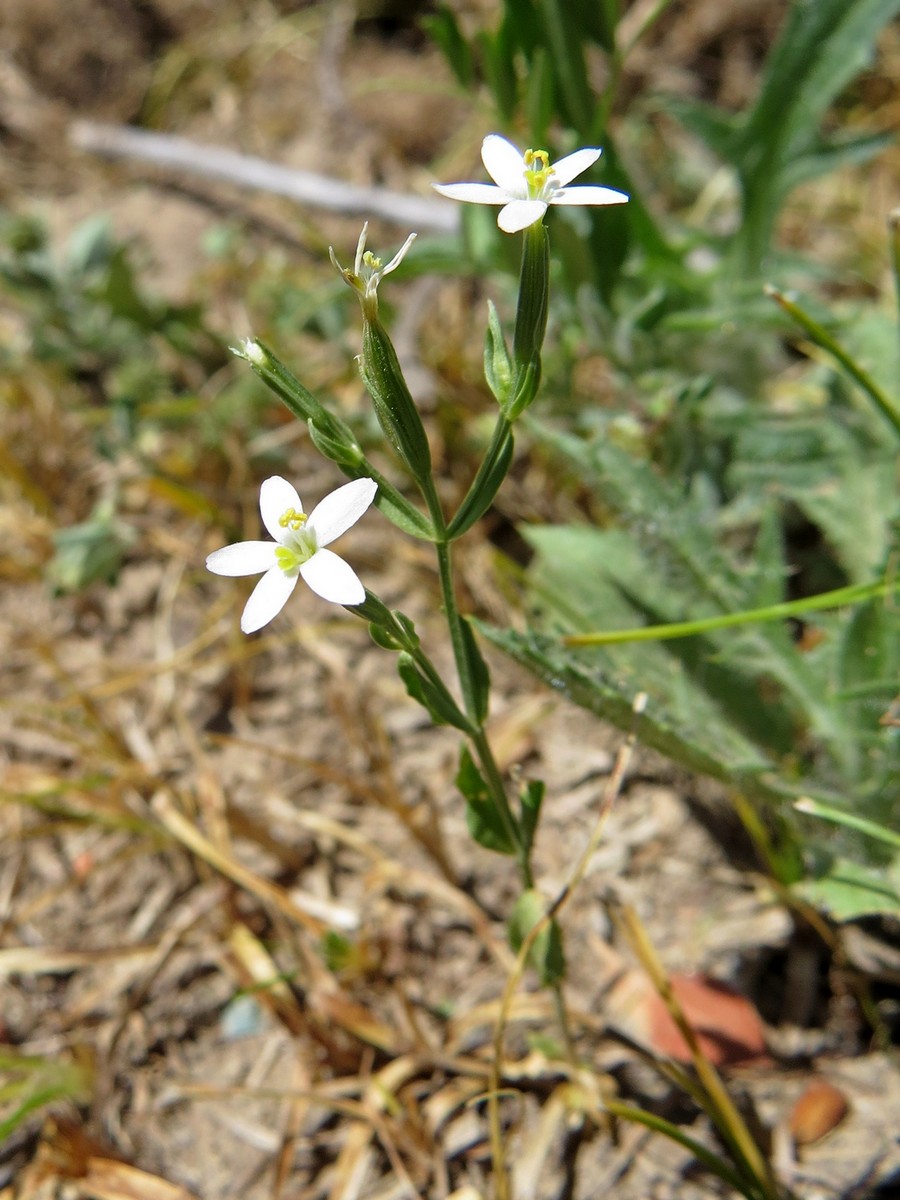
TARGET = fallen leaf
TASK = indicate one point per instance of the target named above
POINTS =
(728, 1026)
(819, 1109)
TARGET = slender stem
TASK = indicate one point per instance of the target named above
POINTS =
(562, 1019)
(772, 612)
(887, 406)
(429, 492)
(494, 780)
(480, 743)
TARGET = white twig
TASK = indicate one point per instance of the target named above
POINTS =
(306, 187)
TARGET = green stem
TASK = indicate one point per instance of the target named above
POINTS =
(820, 335)
(480, 743)
(852, 594)
(562, 1017)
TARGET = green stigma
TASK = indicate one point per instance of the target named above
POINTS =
(298, 545)
(287, 558)
(537, 170)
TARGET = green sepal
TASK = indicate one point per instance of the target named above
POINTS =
(373, 610)
(482, 818)
(534, 292)
(478, 673)
(531, 798)
(391, 399)
(498, 369)
(436, 700)
(546, 955)
(484, 488)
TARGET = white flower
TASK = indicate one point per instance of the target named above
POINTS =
(298, 549)
(526, 183)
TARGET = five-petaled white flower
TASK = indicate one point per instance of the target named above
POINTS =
(525, 184)
(298, 549)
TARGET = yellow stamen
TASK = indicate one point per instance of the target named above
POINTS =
(291, 519)
(537, 170)
(372, 261)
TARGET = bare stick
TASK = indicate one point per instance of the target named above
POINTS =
(245, 170)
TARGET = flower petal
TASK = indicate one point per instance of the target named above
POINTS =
(505, 164)
(332, 579)
(472, 193)
(242, 558)
(573, 165)
(337, 512)
(360, 250)
(519, 214)
(276, 496)
(267, 599)
(398, 257)
(586, 194)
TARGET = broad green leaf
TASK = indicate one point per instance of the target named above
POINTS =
(610, 695)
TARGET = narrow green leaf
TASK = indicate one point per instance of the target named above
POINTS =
(484, 487)
(498, 369)
(531, 798)
(885, 404)
(436, 701)
(828, 156)
(344, 450)
(478, 673)
(482, 818)
(443, 29)
(546, 955)
(838, 816)
(539, 108)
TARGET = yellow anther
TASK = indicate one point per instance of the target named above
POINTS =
(372, 261)
(537, 156)
(291, 519)
(537, 170)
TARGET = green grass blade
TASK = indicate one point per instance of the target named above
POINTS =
(849, 820)
(820, 335)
